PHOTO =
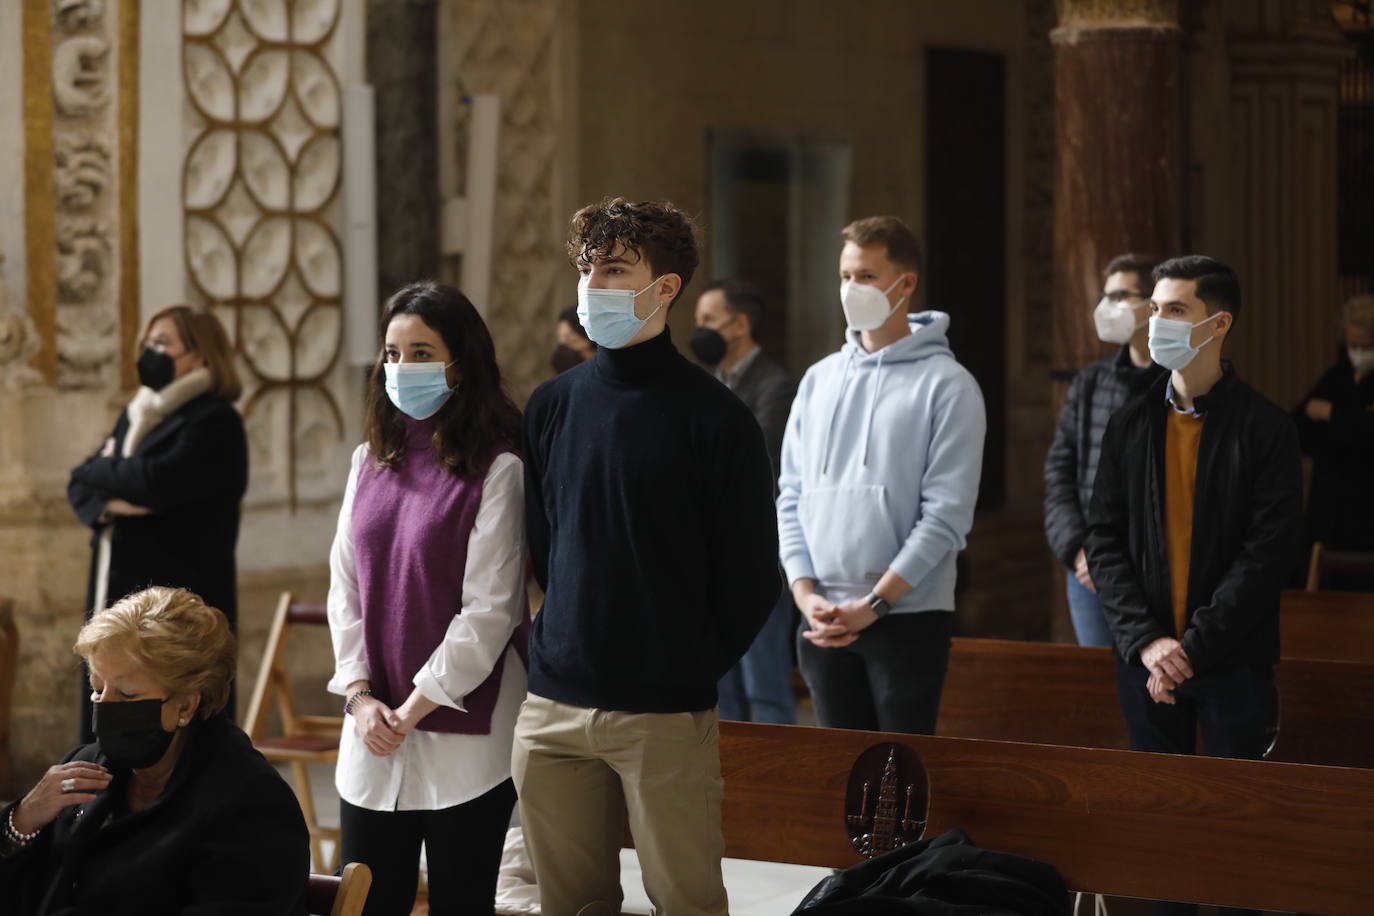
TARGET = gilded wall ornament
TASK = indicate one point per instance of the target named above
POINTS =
(83, 170)
(261, 179)
(78, 14)
(83, 257)
(81, 75)
(18, 343)
(86, 341)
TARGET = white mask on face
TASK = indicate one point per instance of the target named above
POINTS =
(1115, 321)
(1169, 342)
(865, 307)
(1362, 358)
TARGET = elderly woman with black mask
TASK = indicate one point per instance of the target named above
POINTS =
(162, 495)
(170, 810)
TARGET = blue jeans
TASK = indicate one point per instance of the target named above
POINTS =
(1088, 623)
(1236, 710)
(762, 679)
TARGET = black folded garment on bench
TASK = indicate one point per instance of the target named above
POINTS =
(943, 876)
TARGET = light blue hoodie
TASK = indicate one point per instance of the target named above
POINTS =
(880, 468)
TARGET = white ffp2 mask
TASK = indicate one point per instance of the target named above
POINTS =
(865, 307)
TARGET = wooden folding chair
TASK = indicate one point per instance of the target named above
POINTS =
(303, 739)
(334, 895)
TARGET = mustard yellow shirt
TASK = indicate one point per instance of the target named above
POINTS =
(1182, 433)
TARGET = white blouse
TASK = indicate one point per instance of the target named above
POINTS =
(432, 770)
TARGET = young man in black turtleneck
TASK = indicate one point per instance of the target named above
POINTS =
(651, 527)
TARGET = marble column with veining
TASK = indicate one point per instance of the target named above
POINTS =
(1119, 167)
(403, 70)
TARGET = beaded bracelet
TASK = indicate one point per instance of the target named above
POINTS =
(14, 836)
(348, 704)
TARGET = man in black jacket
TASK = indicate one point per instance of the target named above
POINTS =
(1192, 605)
(648, 506)
(1097, 391)
(729, 314)
(1195, 514)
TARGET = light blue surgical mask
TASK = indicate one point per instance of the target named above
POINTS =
(1169, 341)
(608, 315)
(417, 389)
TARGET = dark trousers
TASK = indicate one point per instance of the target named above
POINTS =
(1236, 710)
(889, 679)
(462, 846)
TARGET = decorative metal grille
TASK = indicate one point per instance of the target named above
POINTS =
(260, 181)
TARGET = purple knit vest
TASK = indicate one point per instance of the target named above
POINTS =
(411, 526)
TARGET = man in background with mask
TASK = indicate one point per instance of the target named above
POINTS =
(1195, 514)
(729, 314)
(1098, 389)
(572, 346)
(650, 523)
(880, 467)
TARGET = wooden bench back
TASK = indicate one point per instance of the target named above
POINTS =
(1226, 832)
(1330, 625)
(1050, 693)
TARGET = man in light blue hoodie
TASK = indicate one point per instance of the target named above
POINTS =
(880, 466)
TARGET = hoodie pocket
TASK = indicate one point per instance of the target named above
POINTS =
(850, 534)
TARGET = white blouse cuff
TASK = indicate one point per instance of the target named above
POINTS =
(430, 689)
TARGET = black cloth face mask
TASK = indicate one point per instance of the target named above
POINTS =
(564, 358)
(708, 345)
(155, 369)
(130, 732)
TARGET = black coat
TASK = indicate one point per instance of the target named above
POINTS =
(1340, 508)
(942, 876)
(1247, 519)
(768, 390)
(191, 470)
(1096, 392)
(225, 837)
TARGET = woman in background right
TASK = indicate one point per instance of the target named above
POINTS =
(1336, 422)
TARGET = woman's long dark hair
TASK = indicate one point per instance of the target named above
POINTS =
(479, 420)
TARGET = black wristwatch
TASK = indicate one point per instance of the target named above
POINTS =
(878, 604)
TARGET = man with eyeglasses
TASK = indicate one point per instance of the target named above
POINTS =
(1098, 389)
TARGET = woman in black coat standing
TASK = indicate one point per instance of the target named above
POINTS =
(162, 495)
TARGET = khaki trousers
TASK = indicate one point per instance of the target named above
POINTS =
(580, 771)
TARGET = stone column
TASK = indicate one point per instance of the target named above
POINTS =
(1265, 161)
(1117, 126)
(402, 67)
(68, 321)
(517, 52)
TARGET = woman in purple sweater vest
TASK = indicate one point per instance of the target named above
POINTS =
(427, 611)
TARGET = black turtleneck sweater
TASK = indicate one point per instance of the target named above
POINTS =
(649, 503)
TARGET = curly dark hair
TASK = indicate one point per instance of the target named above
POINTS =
(655, 230)
(479, 420)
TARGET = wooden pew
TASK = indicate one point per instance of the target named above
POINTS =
(1051, 693)
(1224, 832)
(1330, 625)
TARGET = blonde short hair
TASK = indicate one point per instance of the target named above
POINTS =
(1359, 312)
(180, 640)
(201, 331)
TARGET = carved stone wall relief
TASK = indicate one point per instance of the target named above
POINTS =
(261, 178)
(507, 49)
(85, 40)
(18, 343)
